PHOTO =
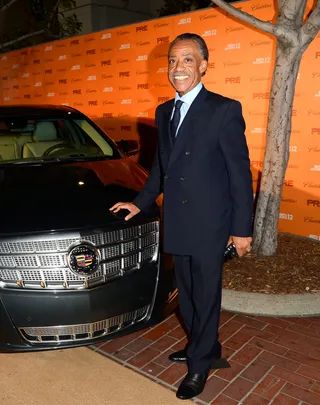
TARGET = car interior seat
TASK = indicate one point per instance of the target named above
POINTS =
(44, 136)
(8, 148)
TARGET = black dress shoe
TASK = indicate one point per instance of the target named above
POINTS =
(192, 385)
(179, 357)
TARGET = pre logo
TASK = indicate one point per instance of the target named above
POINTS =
(106, 63)
(124, 74)
(162, 40)
(261, 96)
(142, 28)
(126, 128)
(91, 52)
(143, 86)
(313, 203)
(163, 99)
(233, 80)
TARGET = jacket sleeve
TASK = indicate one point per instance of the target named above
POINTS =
(154, 184)
(235, 151)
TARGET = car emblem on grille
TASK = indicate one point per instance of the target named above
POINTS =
(83, 259)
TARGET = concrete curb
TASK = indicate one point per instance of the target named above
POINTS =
(271, 304)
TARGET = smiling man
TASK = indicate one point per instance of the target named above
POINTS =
(202, 167)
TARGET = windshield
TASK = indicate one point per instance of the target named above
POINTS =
(25, 139)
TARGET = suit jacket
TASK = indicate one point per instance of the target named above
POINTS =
(205, 176)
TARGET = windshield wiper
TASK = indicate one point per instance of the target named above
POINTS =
(74, 158)
(30, 162)
(81, 158)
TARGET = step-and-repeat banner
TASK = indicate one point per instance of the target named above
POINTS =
(119, 76)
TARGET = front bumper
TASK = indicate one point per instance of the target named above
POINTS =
(38, 320)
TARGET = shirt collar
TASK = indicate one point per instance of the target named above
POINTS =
(191, 95)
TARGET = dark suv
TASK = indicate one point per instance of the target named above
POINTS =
(72, 272)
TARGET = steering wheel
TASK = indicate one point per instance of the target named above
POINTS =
(57, 146)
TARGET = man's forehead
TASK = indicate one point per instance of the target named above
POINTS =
(188, 48)
(184, 53)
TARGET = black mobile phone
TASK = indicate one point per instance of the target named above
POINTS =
(230, 252)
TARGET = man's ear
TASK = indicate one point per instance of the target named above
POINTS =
(203, 66)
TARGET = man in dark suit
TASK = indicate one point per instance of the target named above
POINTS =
(203, 169)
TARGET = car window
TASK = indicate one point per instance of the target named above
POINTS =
(27, 138)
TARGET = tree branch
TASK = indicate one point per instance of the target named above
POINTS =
(311, 27)
(8, 5)
(55, 8)
(247, 18)
(22, 38)
(300, 12)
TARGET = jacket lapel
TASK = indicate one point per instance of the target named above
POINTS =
(184, 132)
(165, 131)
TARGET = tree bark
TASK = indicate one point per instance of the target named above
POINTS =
(277, 151)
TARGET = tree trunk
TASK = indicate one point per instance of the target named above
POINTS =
(277, 148)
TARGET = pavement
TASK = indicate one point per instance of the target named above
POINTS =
(271, 304)
(274, 360)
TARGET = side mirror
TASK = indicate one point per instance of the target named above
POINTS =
(130, 147)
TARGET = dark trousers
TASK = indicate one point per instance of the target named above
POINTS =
(199, 281)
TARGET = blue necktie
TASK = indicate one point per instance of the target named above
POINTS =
(174, 123)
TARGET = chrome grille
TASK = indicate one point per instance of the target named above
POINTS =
(42, 262)
(82, 332)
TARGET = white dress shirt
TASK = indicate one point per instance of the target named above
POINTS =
(187, 99)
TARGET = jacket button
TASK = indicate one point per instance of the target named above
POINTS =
(184, 201)
(182, 178)
(188, 153)
(166, 176)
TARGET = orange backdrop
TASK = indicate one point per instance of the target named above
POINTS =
(119, 76)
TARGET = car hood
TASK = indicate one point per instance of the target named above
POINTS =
(59, 196)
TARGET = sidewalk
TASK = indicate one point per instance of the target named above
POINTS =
(273, 360)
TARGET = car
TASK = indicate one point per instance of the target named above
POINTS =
(73, 273)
